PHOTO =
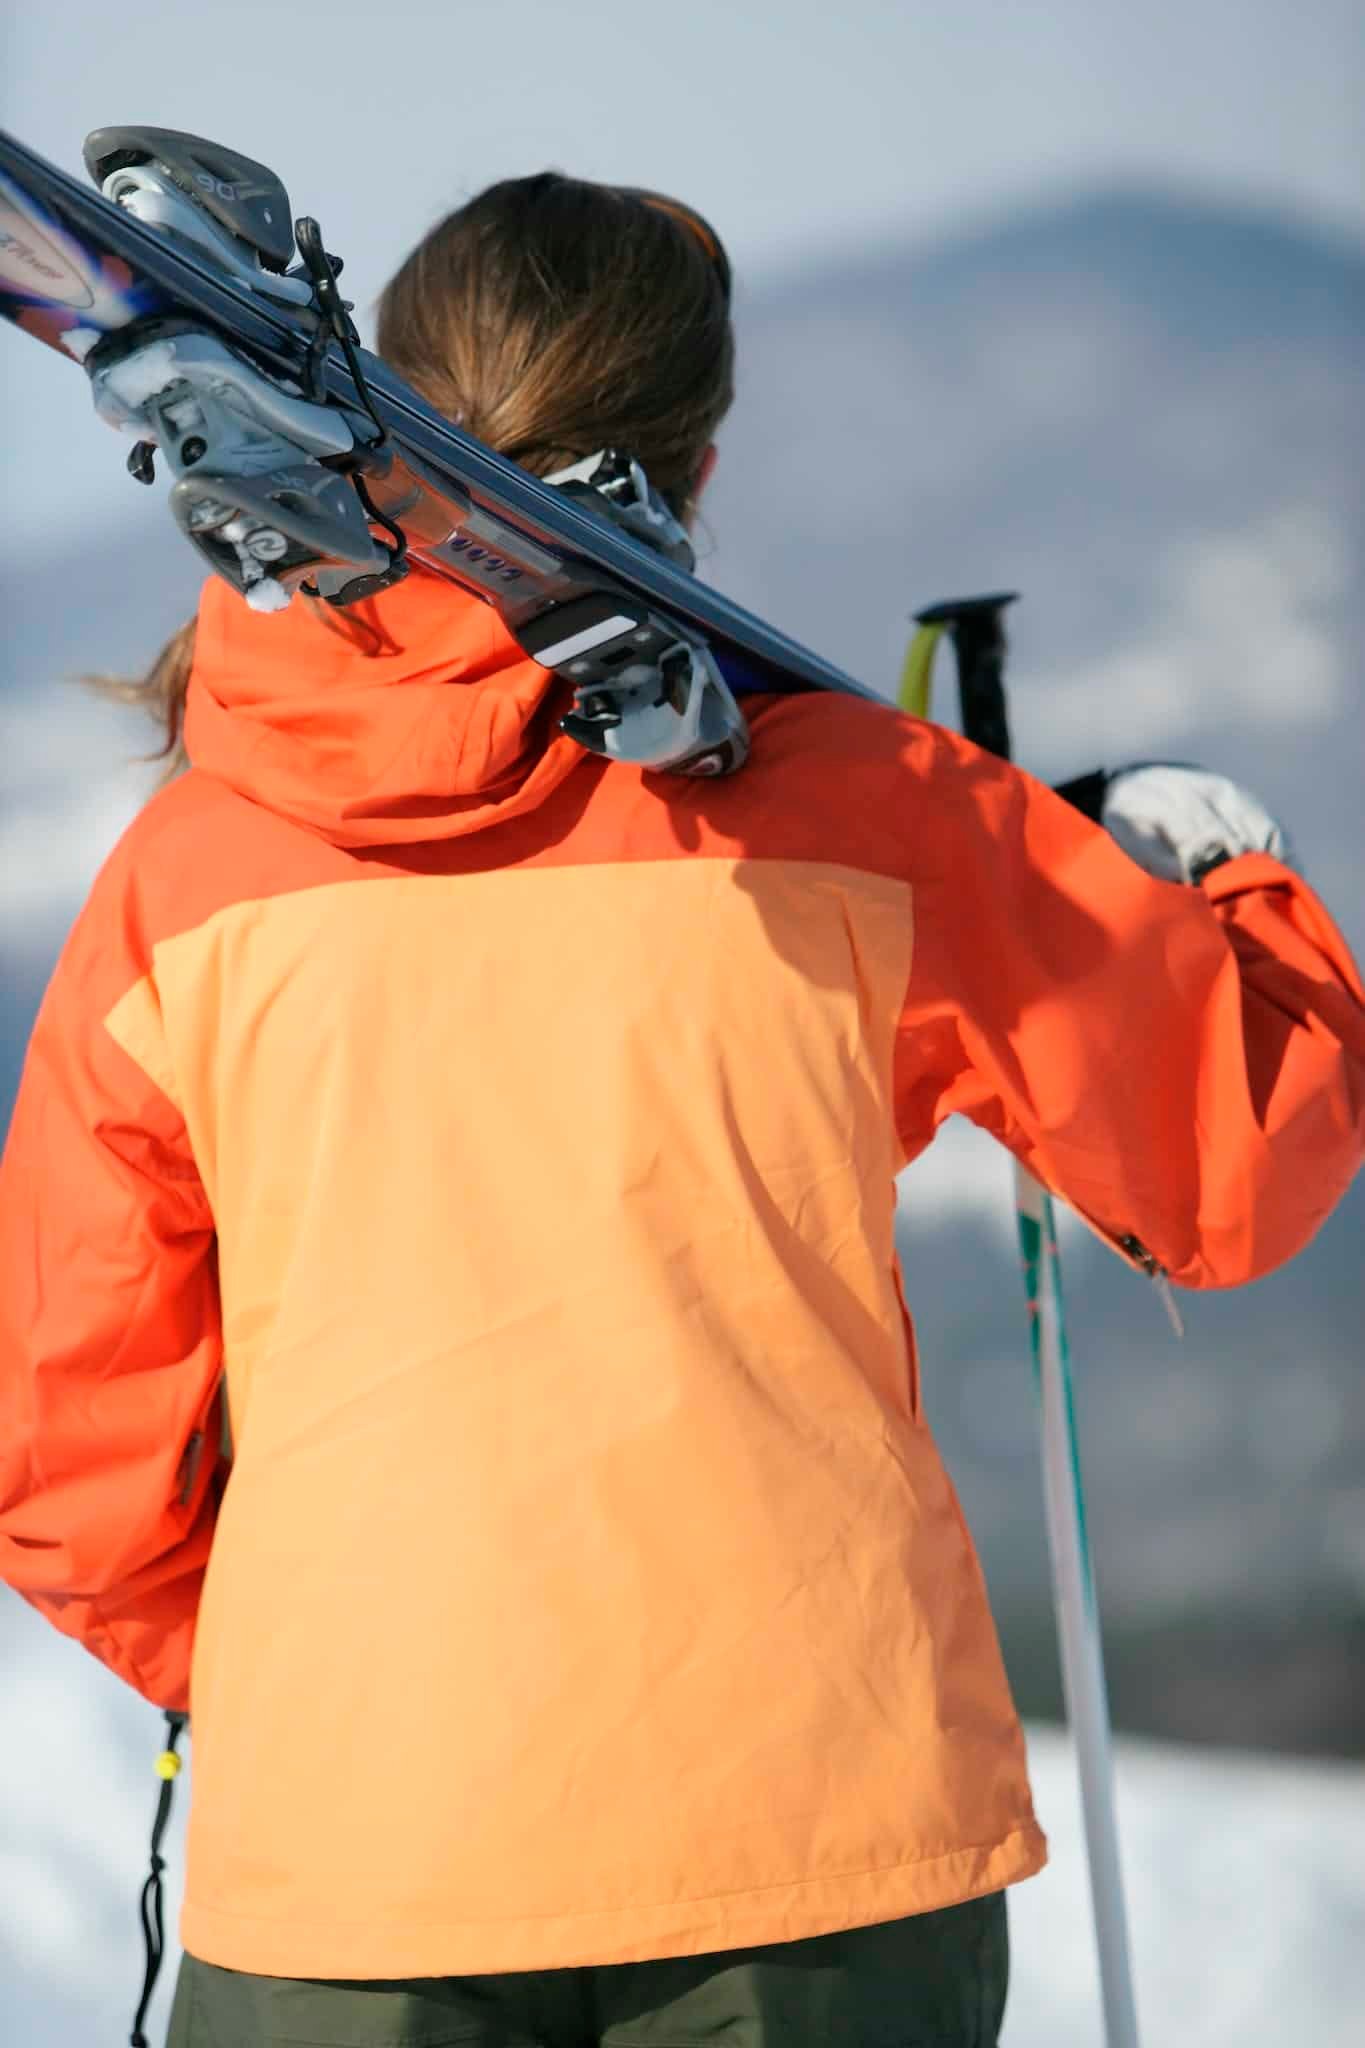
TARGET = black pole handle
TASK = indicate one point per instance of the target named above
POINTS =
(976, 626)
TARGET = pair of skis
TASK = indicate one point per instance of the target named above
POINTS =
(212, 328)
(301, 462)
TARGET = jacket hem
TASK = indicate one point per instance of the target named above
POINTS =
(286, 1946)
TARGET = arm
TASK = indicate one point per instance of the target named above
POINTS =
(1185, 1065)
(110, 1354)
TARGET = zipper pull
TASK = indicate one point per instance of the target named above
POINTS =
(1139, 1254)
(1169, 1302)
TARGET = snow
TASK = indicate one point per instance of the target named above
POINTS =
(1245, 1877)
(78, 341)
(135, 379)
(266, 595)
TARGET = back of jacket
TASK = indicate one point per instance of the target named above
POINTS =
(494, 1149)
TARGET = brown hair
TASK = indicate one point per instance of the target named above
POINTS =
(550, 317)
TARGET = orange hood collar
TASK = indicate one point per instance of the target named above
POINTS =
(413, 716)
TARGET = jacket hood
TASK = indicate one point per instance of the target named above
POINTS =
(414, 716)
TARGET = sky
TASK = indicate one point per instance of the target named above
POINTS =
(799, 129)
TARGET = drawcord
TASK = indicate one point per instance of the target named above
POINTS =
(167, 1768)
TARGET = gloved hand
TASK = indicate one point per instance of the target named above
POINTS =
(1178, 821)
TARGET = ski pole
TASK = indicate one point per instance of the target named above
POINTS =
(975, 626)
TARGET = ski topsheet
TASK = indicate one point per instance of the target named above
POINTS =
(163, 294)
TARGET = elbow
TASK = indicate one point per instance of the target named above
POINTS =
(1262, 1224)
(1270, 1176)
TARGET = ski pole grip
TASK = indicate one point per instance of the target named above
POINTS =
(977, 627)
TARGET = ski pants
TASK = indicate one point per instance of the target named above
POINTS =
(934, 1981)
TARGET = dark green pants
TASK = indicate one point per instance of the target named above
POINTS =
(935, 1981)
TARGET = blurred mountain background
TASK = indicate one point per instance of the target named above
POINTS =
(1143, 409)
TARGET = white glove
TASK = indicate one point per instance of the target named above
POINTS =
(1178, 822)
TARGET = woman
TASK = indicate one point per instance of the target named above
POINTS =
(450, 1334)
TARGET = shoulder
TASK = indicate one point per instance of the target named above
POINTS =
(862, 735)
(194, 848)
(871, 779)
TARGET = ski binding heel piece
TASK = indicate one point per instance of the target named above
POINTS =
(644, 691)
(251, 491)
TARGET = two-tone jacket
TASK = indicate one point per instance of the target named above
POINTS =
(451, 1337)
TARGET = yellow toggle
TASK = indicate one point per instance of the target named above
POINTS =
(168, 1764)
(916, 692)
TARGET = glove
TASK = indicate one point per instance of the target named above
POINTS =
(1177, 821)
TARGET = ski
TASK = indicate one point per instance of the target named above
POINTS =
(211, 327)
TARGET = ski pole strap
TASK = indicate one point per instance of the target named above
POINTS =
(168, 1767)
(916, 691)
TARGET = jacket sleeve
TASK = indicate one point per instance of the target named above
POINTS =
(1183, 1066)
(110, 1352)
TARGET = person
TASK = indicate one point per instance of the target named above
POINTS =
(451, 1339)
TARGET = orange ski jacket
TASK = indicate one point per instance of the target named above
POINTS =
(508, 1138)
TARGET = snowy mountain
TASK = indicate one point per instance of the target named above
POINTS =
(1145, 412)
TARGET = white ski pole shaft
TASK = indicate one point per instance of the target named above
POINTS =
(1078, 1625)
(977, 629)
